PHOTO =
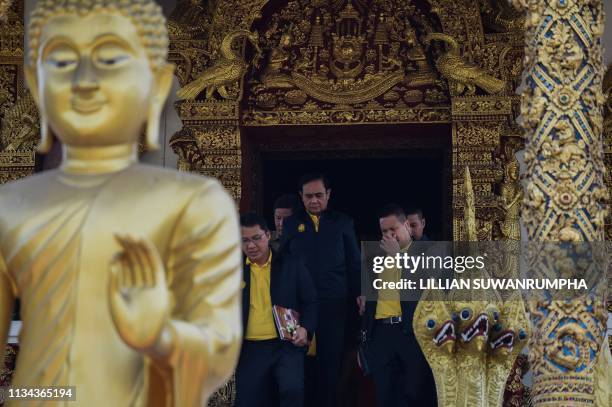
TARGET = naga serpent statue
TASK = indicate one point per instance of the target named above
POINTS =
(470, 340)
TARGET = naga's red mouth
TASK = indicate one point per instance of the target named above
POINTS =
(480, 327)
(445, 333)
(504, 340)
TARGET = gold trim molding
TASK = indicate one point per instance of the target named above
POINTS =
(345, 117)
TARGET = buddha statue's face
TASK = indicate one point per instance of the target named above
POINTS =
(93, 80)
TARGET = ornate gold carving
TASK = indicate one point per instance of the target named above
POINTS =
(7, 364)
(8, 84)
(607, 135)
(213, 150)
(228, 16)
(499, 16)
(461, 20)
(20, 127)
(11, 55)
(607, 128)
(476, 143)
(560, 111)
(5, 5)
(342, 93)
(470, 207)
(208, 110)
(511, 200)
(423, 74)
(471, 108)
(470, 342)
(276, 73)
(188, 30)
(225, 396)
(200, 36)
(345, 117)
(226, 71)
(464, 76)
(344, 53)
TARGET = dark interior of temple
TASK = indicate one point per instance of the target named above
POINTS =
(368, 165)
(360, 186)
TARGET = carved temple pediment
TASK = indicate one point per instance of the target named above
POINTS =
(337, 54)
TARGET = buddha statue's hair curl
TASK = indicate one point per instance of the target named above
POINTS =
(146, 16)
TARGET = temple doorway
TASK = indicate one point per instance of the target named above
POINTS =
(368, 166)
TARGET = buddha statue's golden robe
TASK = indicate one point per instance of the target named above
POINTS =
(56, 244)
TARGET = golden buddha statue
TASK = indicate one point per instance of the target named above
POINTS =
(128, 275)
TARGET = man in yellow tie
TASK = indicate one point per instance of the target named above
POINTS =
(325, 240)
(272, 279)
(399, 369)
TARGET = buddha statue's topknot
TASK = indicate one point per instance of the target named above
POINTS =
(146, 16)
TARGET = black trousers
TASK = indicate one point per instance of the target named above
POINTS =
(331, 324)
(400, 371)
(266, 367)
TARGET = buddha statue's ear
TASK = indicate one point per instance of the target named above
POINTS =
(163, 78)
(45, 135)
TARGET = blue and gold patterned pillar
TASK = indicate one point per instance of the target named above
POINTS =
(564, 201)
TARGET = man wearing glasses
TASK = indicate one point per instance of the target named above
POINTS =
(272, 279)
(325, 240)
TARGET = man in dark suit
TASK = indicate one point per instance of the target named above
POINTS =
(284, 206)
(325, 240)
(417, 224)
(400, 371)
(266, 361)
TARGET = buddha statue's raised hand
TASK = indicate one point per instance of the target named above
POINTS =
(138, 295)
(154, 311)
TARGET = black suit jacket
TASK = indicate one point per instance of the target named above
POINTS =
(331, 255)
(290, 286)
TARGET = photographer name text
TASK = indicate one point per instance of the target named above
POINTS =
(480, 283)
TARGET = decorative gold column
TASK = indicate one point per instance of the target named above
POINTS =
(561, 113)
(607, 88)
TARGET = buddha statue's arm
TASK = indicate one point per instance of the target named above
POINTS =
(205, 272)
(184, 312)
(7, 300)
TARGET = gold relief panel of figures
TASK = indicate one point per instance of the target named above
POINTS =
(342, 56)
(332, 55)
